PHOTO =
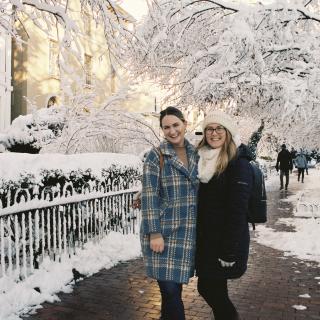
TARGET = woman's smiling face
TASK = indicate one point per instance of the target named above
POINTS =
(215, 135)
(174, 129)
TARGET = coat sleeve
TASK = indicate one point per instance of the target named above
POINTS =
(278, 160)
(290, 162)
(150, 196)
(305, 163)
(240, 183)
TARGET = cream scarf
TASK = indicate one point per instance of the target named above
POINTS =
(207, 163)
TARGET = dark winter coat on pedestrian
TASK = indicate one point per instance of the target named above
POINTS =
(222, 225)
(300, 161)
(169, 206)
(285, 160)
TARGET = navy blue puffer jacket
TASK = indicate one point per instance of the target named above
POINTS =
(222, 226)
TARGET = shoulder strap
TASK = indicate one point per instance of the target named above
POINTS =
(161, 160)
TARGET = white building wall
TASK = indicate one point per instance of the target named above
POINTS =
(5, 81)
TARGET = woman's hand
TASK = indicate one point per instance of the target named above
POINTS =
(156, 242)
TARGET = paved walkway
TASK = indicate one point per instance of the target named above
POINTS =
(267, 291)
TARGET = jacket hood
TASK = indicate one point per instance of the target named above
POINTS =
(244, 152)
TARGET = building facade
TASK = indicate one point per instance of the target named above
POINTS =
(5, 80)
(45, 73)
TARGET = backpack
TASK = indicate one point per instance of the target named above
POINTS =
(258, 199)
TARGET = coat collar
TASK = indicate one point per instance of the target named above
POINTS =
(167, 149)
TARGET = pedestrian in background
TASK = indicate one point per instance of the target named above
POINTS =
(168, 206)
(302, 164)
(293, 153)
(284, 163)
(226, 180)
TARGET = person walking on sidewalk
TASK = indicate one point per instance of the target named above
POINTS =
(284, 159)
(226, 181)
(293, 153)
(301, 163)
(169, 206)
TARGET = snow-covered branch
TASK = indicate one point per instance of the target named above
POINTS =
(264, 59)
(220, 4)
(50, 14)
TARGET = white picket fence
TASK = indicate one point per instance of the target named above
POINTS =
(306, 208)
(55, 224)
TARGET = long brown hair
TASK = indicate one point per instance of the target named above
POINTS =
(227, 153)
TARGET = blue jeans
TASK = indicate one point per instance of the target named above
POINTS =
(171, 302)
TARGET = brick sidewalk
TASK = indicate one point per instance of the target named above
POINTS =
(267, 291)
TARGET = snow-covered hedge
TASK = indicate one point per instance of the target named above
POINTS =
(27, 134)
(38, 173)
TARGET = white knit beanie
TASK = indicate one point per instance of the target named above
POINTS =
(225, 120)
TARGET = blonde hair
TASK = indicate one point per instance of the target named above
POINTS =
(227, 153)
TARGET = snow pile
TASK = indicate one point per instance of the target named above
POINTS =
(20, 297)
(301, 243)
(306, 295)
(299, 307)
(304, 242)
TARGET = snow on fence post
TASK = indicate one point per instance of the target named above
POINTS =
(30, 241)
(3, 270)
(17, 245)
(9, 245)
(24, 251)
(307, 208)
(54, 231)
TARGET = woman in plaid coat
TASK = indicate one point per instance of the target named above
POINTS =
(168, 204)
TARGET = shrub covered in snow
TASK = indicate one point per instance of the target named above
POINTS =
(27, 134)
(43, 173)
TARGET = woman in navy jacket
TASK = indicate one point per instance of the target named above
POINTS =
(226, 181)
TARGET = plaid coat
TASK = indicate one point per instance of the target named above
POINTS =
(168, 205)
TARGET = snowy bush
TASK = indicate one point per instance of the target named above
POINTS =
(49, 173)
(27, 134)
(106, 128)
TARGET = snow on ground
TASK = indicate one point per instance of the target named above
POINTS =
(299, 307)
(304, 242)
(54, 277)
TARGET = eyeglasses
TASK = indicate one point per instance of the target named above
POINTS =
(218, 130)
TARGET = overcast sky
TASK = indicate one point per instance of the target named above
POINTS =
(137, 8)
